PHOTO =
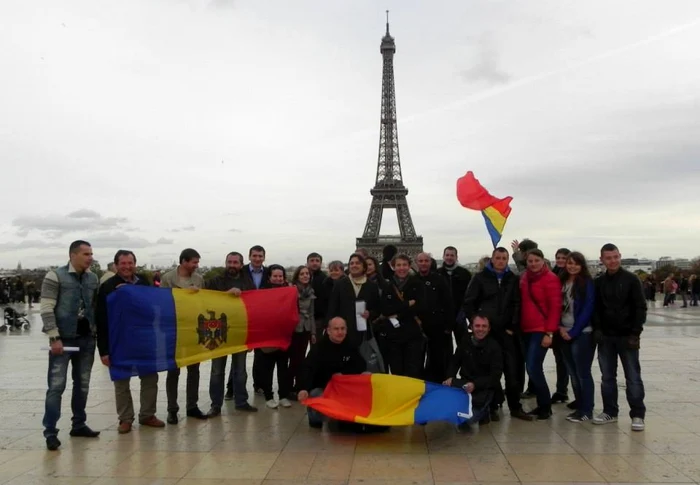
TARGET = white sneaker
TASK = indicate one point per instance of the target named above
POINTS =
(285, 403)
(604, 418)
(637, 424)
(272, 404)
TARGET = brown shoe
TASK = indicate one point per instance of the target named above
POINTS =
(124, 427)
(153, 422)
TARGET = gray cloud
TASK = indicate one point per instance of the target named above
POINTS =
(84, 214)
(485, 67)
(120, 240)
(57, 225)
(234, 230)
(30, 244)
(183, 229)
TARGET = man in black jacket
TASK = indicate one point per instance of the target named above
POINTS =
(683, 290)
(318, 283)
(495, 293)
(233, 281)
(333, 355)
(620, 314)
(457, 279)
(125, 262)
(435, 317)
(479, 362)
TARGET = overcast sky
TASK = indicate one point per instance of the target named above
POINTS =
(158, 125)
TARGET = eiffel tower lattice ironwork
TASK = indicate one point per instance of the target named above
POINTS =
(389, 191)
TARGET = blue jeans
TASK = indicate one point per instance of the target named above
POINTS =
(534, 358)
(315, 417)
(608, 351)
(81, 368)
(578, 357)
(218, 376)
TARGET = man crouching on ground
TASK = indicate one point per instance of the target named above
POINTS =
(479, 361)
(333, 355)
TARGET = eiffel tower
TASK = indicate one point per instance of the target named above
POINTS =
(389, 191)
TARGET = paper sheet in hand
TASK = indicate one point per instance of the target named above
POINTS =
(360, 307)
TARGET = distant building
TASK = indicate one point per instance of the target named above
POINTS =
(634, 265)
(595, 267)
(680, 263)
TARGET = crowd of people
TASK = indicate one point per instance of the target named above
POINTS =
(502, 321)
(15, 290)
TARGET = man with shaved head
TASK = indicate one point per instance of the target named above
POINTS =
(333, 355)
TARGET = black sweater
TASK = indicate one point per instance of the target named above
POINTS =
(620, 305)
(101, 310)
(481, 364)
(328, 358)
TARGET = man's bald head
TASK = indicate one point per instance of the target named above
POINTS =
(337, 330)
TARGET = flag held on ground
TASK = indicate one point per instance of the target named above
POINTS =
(389, 400)
(159, 329)
(472, 195)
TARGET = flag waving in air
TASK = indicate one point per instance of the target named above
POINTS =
(472, 195)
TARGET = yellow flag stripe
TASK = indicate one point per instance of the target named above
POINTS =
(193, 307)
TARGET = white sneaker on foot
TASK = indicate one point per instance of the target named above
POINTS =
(285, 403)
(604, 418)
(637, 424)
(272, 404)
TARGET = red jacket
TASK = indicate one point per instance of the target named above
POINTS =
(541, 299)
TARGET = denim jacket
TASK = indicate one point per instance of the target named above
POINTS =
(72, 289)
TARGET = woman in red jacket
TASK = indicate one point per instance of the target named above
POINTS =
(540, 291)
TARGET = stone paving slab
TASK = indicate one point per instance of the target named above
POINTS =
(277, 447)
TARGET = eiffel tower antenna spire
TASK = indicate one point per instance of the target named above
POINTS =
(389, 191)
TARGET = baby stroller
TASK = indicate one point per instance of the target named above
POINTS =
(14, 320)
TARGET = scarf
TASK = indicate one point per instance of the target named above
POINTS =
(357, 284)
(400, 283)
(305, 292)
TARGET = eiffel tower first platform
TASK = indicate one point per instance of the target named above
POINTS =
(389, 191)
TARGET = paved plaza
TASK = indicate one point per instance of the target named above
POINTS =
(277, 447)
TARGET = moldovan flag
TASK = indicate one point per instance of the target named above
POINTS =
(388, 400)
(472, 195)
(158, 329)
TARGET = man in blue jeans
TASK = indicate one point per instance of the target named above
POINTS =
(68, 315)
(621, 312)
(233, 281)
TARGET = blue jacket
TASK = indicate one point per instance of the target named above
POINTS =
(583, 310)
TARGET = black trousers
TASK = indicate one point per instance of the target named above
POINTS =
(513, 367)
(406, 357)
(267, 361)
(192, 390)
(439, 353)
(256, 369)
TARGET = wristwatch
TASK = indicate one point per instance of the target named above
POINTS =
(54, 339)
(549, 334)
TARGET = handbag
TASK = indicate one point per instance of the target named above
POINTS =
(369, 350)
